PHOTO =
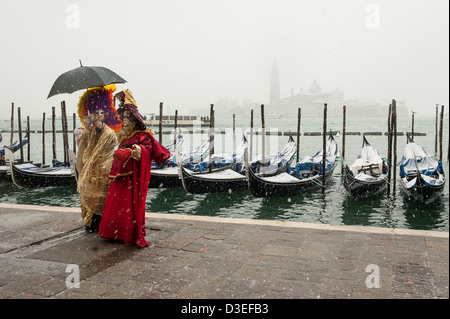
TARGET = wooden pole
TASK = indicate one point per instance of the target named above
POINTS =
(234, 132)
(251, 136)
(12, 127)
(54, 131)
(20, 133)
(43, 139)
(344, 113)
(74, 125)
(263, 133)
(63, 132)
(160, 121)
(436, 131)
(394, 164)
(211, 137)
(175, 132)
(324, 141)
(64, 129)
(412, 125)
(389, 151)
(66, 135)
(29, 140)
(448, 146)
(441, 124)
(299, 119)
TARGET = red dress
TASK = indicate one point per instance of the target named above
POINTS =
(124, 214)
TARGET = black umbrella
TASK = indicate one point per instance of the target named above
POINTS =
(84, 77)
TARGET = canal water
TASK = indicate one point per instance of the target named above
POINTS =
(335, 206)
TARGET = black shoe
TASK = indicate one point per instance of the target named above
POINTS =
(94, 224)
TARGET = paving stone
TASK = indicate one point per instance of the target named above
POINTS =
(48, 288)
(131, 290)
(204, 257)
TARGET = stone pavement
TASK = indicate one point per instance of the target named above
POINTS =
(191, 257)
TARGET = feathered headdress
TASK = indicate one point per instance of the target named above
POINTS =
(99, 99)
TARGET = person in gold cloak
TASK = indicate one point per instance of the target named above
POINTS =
(96, 145)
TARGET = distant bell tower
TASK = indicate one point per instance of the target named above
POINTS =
(274, 84)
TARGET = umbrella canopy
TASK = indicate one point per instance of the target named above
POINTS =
(84, 77)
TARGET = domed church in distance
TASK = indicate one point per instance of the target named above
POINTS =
(312, 101)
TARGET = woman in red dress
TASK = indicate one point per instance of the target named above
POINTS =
(124, 213)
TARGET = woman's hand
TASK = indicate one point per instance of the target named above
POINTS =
(136, 153)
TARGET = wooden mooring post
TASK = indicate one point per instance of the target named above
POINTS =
(234, 132)
(299, 119)
(436, 131)
(160, 121)
(251, 136)
(344, 113)
(74, 125)
(29, 140)
(43, 139)
(263, 140)
(54, 132)
(175, 132)
(211, 137)
(389, 151)
(448, 145)
(394, 147)
(20, 134)
(324, 146)
(441, 125)
(65, 133)
(12, 127)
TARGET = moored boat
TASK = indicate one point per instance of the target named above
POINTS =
(306, 174)
(227, 173)
(232, 177)
(16, 146)
(166, 174)
(422, 176)
(367, 176)
(30, 175)
(222, 180)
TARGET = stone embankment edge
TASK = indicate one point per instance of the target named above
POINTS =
(275, 223)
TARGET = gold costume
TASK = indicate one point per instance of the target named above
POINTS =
(94, 160)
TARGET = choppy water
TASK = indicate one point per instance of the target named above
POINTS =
(333, 207)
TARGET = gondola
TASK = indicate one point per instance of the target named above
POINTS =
(34, 176)
(16, 146)
(225, 175)
(166, 174)
(367, 176)
(232, 177)
(306, 174)
(175, 145)
(422, 176)
(4, 169)
(5, 175)
(224, 180)
(276, 162)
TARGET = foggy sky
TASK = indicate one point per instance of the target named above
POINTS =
(190, 53)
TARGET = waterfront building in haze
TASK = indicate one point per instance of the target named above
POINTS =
(312, 100)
